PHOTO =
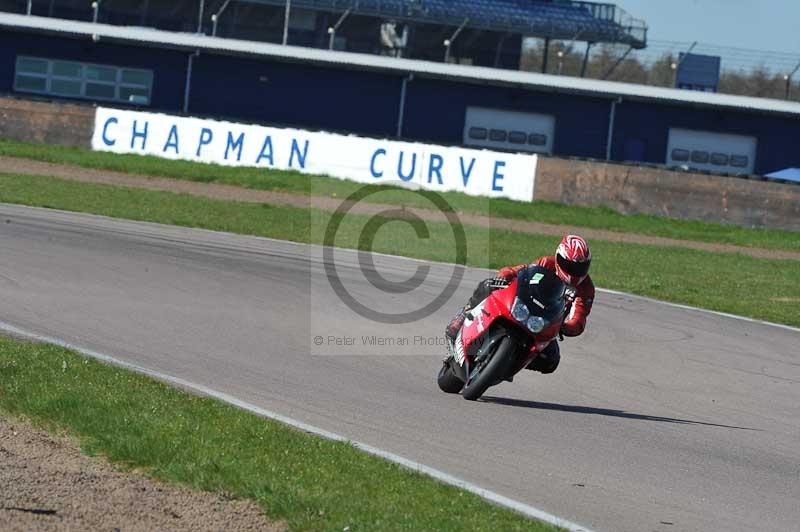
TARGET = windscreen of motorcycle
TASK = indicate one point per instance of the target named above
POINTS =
(542, 292)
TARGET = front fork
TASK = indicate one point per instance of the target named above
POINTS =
(460, 362)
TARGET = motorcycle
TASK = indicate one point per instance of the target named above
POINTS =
(505, 332)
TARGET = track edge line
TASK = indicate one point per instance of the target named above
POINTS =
(496, 498)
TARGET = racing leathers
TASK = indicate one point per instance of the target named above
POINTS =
(579, 304)
(579, 298)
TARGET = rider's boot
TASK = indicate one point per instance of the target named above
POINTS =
(547, 361)
(451, 331)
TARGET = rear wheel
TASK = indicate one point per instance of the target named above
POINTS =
(448, 382)
(492, 370)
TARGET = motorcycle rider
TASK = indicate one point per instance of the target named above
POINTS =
(571, 263)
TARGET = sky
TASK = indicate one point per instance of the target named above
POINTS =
(754, 24)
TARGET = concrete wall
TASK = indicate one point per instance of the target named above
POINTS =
(633, 189)
(48, 123)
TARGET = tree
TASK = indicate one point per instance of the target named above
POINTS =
(566, 58)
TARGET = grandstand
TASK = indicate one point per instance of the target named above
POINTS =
(477, 32)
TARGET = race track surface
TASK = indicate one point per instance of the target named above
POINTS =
(659, 418)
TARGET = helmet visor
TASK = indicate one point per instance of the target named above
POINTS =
(575, 269)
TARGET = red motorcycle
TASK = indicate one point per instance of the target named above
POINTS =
(505, 332)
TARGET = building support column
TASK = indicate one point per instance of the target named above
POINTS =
(401, 112)
(286, 16)
(187, 90)
(611, 119)
(200, 11)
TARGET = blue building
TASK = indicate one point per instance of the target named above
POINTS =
(387, 96)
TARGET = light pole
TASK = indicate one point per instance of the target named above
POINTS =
(95, 9)
(676, 66)
(333, 29)
(449, 42)
(30, 7)
(215, 18)
(788, 79)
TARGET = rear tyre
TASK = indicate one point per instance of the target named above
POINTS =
(448, 382)
(495, 370)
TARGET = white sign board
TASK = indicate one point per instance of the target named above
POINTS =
(440, 168)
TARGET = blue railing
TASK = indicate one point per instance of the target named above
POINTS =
(556, 19)
(587, 21)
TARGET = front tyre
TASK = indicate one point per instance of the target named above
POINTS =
(495, 370)
(448, 382)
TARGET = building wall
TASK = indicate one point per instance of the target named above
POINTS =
(296, 95)
(367, 102)
(169, 66)
(435, 111)
(777, 136)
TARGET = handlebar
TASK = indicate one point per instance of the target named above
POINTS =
(498, 282)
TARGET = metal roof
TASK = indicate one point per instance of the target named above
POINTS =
(470, 74)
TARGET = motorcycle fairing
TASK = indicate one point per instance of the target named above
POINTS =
(481, 318)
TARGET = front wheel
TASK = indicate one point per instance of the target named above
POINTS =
(493, 371)
(448, 382)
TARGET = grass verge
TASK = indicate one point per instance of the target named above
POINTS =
(312, 483)
(294, 182)
(758, 288)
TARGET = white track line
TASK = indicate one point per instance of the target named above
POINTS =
(603, 290)
(496, 498)
(706, 311)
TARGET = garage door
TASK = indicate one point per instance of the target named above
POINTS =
(717, 152)
(509, 130)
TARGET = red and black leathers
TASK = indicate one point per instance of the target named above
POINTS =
(580, 298)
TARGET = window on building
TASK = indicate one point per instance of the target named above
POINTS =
(700, 157)
(537, 139)
(498, 135)
(720, 159)
(680, 155)
(478, 133)
(517, 137)
(82, 80)
(739, 161)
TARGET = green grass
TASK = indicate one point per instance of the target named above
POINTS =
(312, 483)
(758, 288)
(293, 182)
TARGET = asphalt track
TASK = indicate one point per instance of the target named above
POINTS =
(659, 418)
